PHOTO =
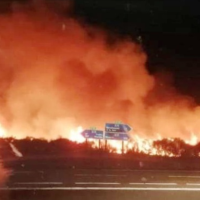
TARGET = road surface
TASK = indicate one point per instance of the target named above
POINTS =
(101, 184)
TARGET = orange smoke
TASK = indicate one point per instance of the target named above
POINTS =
(58, 74)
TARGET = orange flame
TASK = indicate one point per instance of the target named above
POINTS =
(193, 140)
(75, 135)
(2, 132)
(141, 145)
(137, 143)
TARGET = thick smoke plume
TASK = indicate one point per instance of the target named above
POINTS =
(57, 73)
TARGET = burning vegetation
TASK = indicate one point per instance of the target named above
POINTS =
(58, 73)
(29, 146)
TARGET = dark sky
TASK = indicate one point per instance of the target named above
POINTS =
(169, 29)
(170, 32)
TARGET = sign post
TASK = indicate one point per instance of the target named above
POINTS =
(122, 146)
(105, 144)
(113, 131)
(117, 131)
(99, 144)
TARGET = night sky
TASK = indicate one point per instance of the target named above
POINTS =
(169, 31)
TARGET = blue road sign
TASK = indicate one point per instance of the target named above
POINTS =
(114, 128)
(116, 136)
(127, 127)
(116, 131)
(93, 134)
(117, 128)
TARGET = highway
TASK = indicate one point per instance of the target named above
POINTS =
(102, 184)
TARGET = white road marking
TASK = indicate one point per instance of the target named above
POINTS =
(99, 175)
(27, 172)
(148, 170)
(116, 175)
(95, 183)
(153, 183)
(161, 183)
(22, 172)
(38, 183)
(184, 176)
(104, 188)
(83, 174)
(193, 184)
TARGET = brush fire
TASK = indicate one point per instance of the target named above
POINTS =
(59, 75)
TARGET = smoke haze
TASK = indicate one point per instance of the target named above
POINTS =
(58, 73)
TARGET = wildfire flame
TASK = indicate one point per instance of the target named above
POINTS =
(74, 74)
(2, 132)
(75, 135)
(141, 145)
(138, 143)
(193, 140)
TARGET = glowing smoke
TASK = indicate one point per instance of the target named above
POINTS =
(57, 74)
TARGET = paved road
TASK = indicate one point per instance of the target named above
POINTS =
(97, 177)
(102, 184)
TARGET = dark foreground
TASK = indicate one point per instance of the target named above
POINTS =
(78, 178)
(102, 195)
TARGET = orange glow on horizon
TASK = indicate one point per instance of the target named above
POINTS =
(137, 143)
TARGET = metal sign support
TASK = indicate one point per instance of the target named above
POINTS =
(122, 146)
